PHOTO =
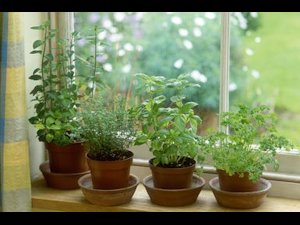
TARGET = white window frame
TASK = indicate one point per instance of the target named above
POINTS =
(286, 182)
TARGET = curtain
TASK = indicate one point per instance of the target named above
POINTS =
(15, 187)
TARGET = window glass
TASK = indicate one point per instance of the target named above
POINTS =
(165, 44)
(271, 53)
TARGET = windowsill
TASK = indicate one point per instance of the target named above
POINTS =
(48, 199)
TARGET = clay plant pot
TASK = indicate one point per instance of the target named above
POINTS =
(240, 200)
(108, 197)
(174, 197)
(64, 181)
(235, 183)
(110, 174)
(67, 159)
(172, 178)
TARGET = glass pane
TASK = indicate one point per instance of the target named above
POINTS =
(164, 44)
(270, 74)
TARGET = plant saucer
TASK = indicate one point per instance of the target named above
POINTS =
(240, 200)
(108, 197)
(60, 180)
(174, 197)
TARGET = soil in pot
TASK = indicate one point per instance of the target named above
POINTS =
(110, 171)
(173, 176)
(235, 183)
(67, 159)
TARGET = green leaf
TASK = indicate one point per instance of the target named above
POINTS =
(57, 122)
(183, 76)
(73, 87)
(37, 43)
(197, 118)
(45, 63)
(176, 98)
(49, 56)
(35, 77)
(36, 70)
(49, 137)
(55, 127)
(38, 107)
(39, 126)
(190, 104)
(33, 119)
(49, 121)
(159, 99)
(37, 27)
(36, 89)
(36, 52)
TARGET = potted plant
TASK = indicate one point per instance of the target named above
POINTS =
(169, 131)
(108, 131)
(56, 98)
(241, 155)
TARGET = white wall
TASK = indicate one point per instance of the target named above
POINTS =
(37, 151)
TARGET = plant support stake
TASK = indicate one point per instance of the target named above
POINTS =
(225, 64)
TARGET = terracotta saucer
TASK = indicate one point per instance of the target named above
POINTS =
(240, 200)
(61, 180)
(109, 197)
(174, 197)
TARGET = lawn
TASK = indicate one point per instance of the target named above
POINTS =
(277, 58)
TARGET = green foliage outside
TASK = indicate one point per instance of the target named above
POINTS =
(164, 44)
(277, 58)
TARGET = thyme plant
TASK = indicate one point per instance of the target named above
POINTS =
(106, 128)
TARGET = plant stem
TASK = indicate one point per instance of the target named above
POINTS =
(95, 62)
(50, 64)
(43, 76)
(70, 58)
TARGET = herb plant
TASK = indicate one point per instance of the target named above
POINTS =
(106, 128)
(250, 145)
(57, 93)
(170, 131)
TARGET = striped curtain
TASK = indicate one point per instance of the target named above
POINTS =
(15, 185)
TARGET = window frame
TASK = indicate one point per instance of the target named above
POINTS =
(288, 174)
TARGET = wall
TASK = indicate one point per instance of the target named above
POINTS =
(37, 151)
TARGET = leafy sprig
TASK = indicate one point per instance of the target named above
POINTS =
(170, 131)
(251, 144)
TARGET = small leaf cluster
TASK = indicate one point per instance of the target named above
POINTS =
(250, 145)
(106, 127)
(169, 129)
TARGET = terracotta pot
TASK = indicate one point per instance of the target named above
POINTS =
(110, 174)
(236, 183)
(172, 178)
(64, 181)
(240, 200)
(67, 159)
(174, 197)
(108, 197)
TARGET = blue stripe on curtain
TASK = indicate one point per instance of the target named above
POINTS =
(3, 60)
(15, 188)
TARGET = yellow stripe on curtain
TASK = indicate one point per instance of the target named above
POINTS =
(15, 172)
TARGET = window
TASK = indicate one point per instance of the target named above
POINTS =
(138, 40)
